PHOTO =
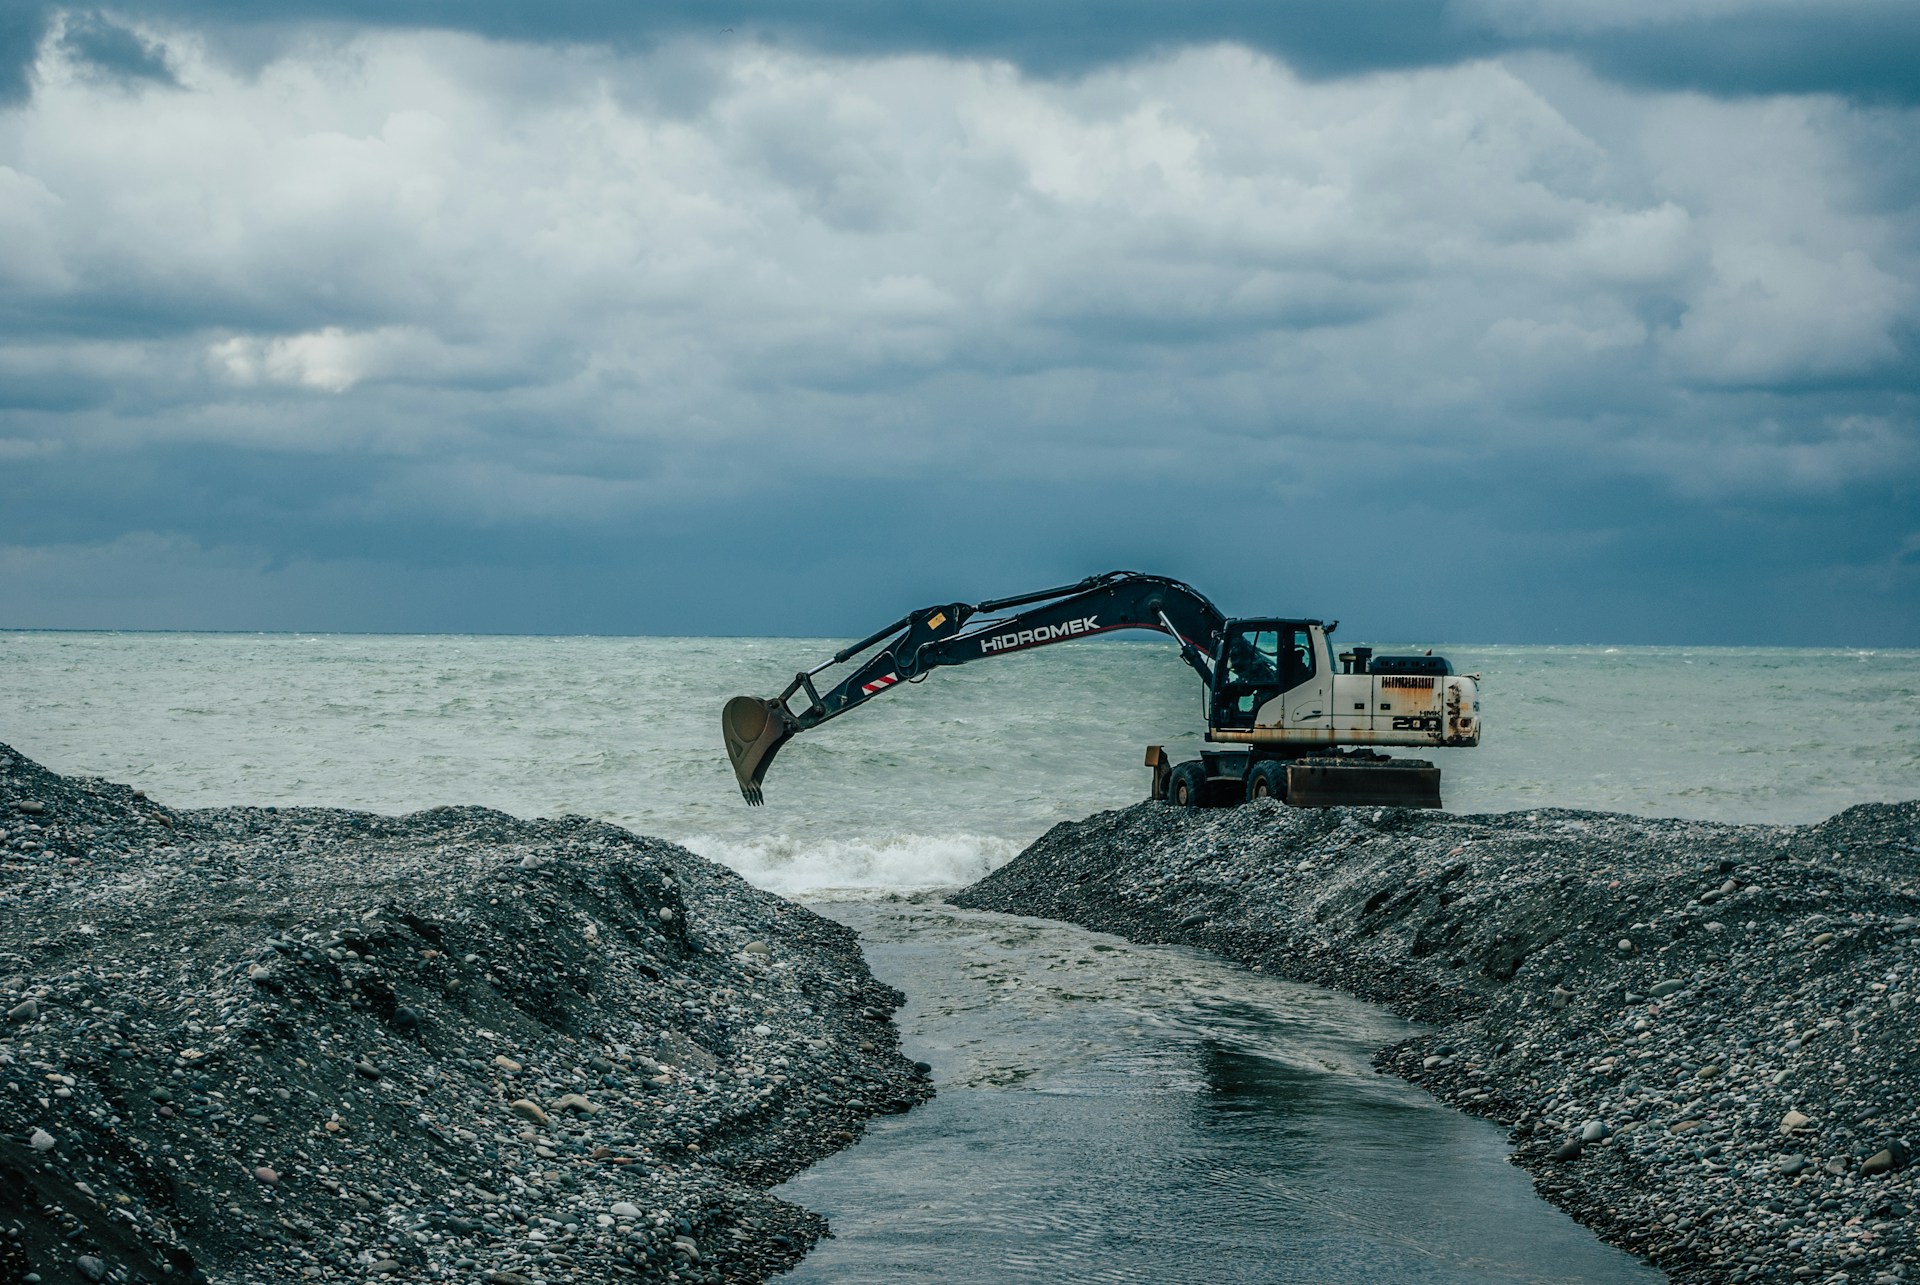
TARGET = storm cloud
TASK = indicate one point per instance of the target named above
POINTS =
(1469, 320)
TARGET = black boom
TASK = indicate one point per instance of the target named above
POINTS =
(954, 634)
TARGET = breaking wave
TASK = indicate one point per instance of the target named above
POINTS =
(792, 865)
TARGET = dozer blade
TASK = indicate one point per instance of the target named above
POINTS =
(1391, 783)
(754, 730)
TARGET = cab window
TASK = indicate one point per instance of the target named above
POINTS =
(1253, 658)
(1296, 663)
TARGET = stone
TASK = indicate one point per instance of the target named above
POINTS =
(32, 807)
(90, 1268)
(576, 1103)
(25, 1011)
(266, 1174)
(507, 1064)
(1660, 990)
(529, 1109)
(40, 1140)
(508, 1278)
(1821, 940)
(625, 1209)
(1788, 1166)
(1569, 1150)
(666, 914)
(1885, 1160)
(757, 948)
(368, 1069)
(1594, 1131)
(1793, 1120)
(385, 1267)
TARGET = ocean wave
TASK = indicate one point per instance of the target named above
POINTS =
(791, 864)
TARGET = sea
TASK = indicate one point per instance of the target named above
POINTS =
(927, 785)
(1106, 1112)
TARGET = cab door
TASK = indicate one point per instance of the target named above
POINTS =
(1250, 681)
(1306, 680)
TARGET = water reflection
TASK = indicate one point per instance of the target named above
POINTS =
(1112, 1113)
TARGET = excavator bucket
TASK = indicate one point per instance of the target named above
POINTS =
(754, 730)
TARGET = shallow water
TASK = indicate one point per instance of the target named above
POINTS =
(1109, 1112)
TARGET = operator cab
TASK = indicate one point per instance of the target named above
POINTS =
(1259, 660)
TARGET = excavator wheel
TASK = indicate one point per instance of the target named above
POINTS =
(1267, 780)
(1187, 787)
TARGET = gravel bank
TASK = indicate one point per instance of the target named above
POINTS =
(1702, 1037)
(258, 1044)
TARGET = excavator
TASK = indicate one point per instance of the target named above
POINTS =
(1289, 726)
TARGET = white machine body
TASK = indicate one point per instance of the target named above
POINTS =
(1437, 709)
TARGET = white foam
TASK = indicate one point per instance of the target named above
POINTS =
(791, 865)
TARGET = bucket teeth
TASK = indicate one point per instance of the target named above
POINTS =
(754, 730)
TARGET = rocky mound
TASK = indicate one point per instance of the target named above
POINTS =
(1702, 1036)
(249, 1044)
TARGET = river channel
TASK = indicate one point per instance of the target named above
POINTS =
(1111, 1112)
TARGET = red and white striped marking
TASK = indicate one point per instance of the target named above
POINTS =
(880, 684)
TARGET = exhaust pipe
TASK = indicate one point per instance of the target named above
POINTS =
(754, 730)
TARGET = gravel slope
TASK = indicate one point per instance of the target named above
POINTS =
(249, 1044)
(1702, 1036)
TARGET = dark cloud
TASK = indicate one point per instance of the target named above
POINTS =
(22, 28)
(1869, 52)
(1863, 49)
(1534, 557)
(114, 50)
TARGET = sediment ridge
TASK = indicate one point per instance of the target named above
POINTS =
(1702, 1037)
(293, 1044)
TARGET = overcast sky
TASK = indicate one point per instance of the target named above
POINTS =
(1489, 320)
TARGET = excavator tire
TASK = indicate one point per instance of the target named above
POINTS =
(1267, 781)
(1187, 787)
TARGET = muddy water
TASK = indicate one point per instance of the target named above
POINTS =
(1110, 1112)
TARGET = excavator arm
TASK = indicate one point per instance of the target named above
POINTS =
(954, 633)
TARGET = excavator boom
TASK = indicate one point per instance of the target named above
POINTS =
(755, 728)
